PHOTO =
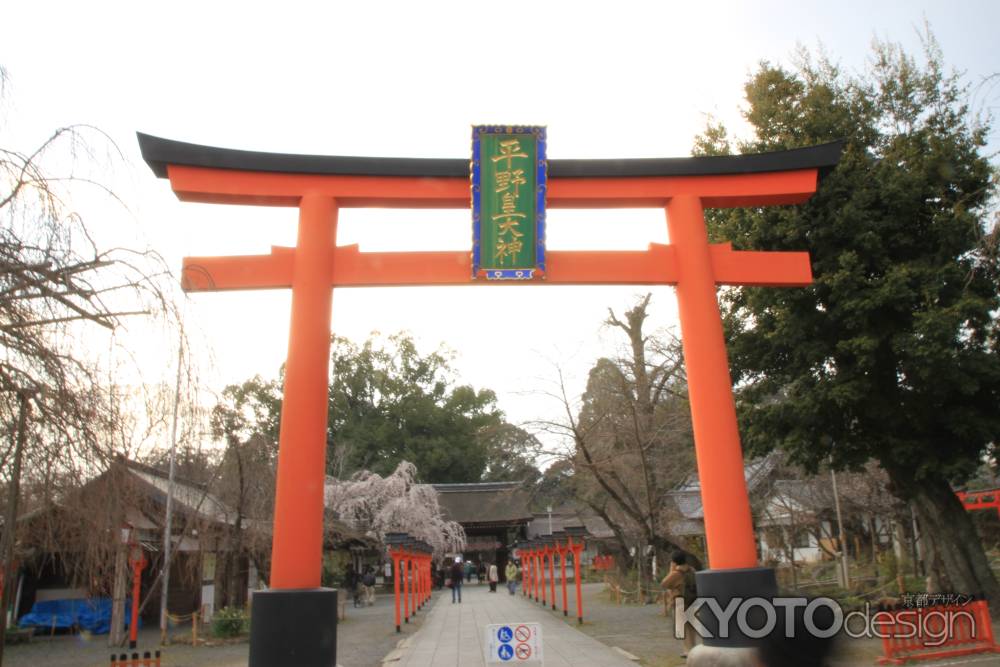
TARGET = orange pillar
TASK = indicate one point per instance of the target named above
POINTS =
(525, 572)
(406, 587)
(728, 524)
(563, 551)
(542, 553)
(552, 575)
(395, 583)
(539, 575)
(578, 575)
(133, 628)
(415, 582)
(534, 574)
(297, 544)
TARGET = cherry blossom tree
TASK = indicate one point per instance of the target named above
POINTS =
(394, 503)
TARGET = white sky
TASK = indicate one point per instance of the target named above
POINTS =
(620, 79)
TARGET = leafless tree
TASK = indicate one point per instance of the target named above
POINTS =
(64, 298)
(631, 436)
(246, 421)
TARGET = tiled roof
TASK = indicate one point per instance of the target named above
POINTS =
(595, 525)
(189, 497)
(686, 528)
(755, 472)
(688, 504)
(486, 503)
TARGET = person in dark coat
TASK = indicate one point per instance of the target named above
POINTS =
(457, 573)
(351, 584)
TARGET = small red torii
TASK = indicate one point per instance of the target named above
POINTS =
(983, 499)
(319, 186)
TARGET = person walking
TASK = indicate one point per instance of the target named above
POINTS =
(369, 582)
(680, 583)
(457, 573)
(511, 573)
(351, 584)
(493, 576)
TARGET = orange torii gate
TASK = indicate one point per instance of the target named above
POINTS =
(318, 186)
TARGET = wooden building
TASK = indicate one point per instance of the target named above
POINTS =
(495, 515)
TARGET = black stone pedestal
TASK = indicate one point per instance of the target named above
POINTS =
(723, 586)
(294, 627)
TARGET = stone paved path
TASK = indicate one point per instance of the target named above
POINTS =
(453, 635)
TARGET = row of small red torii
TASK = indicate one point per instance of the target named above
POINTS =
(411, 573)
(413, 581)
(535, 553)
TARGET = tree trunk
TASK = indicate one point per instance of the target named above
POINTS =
(235, 591)
(624, 560)
(936, 580)
(899, 543)
(116, 637)
(954, 540)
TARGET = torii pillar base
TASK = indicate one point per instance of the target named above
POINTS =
(725, 585)
(294, 627)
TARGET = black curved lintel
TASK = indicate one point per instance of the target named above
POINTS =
(159, 152)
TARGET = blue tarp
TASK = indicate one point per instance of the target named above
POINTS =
(93, 615)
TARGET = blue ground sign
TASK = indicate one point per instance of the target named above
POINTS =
(513, 643)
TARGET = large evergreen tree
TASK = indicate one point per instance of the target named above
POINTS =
(892, 353)
(390, 403)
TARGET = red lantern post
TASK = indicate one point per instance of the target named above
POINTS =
(137, 561)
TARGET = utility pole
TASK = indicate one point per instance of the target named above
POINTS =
(10, 520)
(169, 520)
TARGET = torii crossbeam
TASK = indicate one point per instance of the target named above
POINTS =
(319, 186)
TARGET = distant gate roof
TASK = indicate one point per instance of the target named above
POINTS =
(484, 505)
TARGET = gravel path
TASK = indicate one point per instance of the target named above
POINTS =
(366, 636)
